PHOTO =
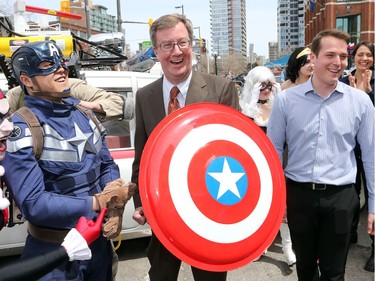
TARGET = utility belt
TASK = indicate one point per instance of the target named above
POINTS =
(47, 235)
(316, 186)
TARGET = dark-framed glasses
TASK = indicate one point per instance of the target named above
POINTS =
(168, 46)
(265, 86)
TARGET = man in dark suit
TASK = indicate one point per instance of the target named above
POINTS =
(172, 40)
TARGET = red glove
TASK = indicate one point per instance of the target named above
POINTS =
(5, 214)
(89, 229)
(4, 206)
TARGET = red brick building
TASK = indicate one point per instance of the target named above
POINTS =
(353, 17)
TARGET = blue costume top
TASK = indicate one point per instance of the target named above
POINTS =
(56, 190)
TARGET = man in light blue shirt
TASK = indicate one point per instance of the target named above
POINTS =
(320, 121)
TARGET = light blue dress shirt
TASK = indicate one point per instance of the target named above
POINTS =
(321, 134)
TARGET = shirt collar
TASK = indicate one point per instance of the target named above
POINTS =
(308, 87)
(183, 86)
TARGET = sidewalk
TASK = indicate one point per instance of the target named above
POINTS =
(272, 267)
(133, 265)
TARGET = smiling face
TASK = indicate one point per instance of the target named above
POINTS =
(56, 82)
(363, 58)
(330, 62)
(177, 63)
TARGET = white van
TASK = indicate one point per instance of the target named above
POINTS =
(125, 83)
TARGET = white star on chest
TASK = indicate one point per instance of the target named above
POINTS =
(81, 140)
(227, 180)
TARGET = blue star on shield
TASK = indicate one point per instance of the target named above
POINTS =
(226, 180)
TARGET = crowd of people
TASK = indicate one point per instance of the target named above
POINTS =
(362, 77)
(320, 124)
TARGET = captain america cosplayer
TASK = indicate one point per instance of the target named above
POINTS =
(74, 176)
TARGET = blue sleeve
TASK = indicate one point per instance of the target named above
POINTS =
(366, 140)
(276, 129)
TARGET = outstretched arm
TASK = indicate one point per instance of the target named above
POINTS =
(107, 105)
(74, 247)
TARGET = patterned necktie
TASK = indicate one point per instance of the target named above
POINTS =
(173, 104)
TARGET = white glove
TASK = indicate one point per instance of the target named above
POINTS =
(249, 99)
(255, 95)
(4, 202)
(6, 127)
(4, 105)
(251, 109)
(76, 246)
(129, 108)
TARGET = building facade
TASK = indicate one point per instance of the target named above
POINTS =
(353, 17)
(290, 25)
(273, 52)
(228, 27)
(100, 21)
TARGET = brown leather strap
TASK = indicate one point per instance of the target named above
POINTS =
(47, 235)
(90, 115)
(35, 128)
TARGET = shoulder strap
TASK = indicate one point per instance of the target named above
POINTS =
(90, 115)
(35, 128)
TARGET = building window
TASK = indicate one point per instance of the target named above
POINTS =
(351, 25)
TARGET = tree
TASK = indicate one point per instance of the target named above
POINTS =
(233, 63)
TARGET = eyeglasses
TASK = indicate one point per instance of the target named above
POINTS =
(168, 46)
(265, 86)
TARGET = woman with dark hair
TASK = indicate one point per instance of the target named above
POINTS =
(362, 77)
(299, 68)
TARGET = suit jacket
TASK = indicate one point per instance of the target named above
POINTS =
(150, 108)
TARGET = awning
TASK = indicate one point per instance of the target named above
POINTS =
(280, 62)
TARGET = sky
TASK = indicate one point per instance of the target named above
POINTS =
(261, 18)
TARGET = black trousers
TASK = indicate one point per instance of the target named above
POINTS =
(320, 224)
(165, 266)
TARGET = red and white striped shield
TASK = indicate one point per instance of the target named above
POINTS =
(212, 187)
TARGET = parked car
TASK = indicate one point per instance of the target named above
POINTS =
(120, 143)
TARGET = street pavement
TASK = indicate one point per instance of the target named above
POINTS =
(133, 264)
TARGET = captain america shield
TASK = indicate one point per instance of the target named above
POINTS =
(212, 187)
